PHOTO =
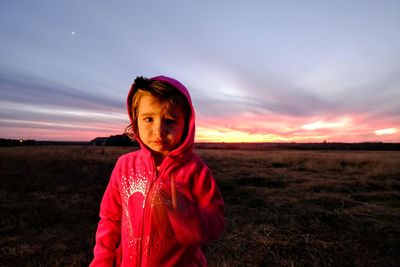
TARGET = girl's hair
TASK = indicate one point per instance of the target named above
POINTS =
(164, 92)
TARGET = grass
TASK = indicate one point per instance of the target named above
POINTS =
(283, 208)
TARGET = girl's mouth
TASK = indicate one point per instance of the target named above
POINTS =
(159, 142)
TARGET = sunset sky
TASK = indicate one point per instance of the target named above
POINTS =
(258, 71)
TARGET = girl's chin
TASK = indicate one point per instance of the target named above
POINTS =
(162, 150)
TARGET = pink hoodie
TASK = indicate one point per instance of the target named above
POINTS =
(138, 226)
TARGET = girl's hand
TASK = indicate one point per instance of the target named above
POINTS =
(173, 195)
(178, 201)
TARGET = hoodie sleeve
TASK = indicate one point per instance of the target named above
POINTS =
(108, 233)
(203, 221)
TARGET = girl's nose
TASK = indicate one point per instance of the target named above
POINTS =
(159, 129)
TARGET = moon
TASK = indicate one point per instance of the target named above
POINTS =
(73, 33)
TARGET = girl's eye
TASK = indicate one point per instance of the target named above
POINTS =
(170, 121)
(148, 119)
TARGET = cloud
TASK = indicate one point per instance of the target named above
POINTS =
(32, 108)
(386, 131)
(325, 125)
(24, 89)
(260, 95)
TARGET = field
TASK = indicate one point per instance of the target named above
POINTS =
(283, 208)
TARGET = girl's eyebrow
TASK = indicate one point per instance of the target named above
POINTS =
(147, 114)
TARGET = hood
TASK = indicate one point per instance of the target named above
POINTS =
(187, 144)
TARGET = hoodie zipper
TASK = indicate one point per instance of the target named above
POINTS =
(145, 207)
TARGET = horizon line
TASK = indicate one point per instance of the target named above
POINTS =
(214, 142)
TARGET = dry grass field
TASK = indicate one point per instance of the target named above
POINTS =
(283, 208)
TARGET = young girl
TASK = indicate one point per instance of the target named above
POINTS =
(161, 203)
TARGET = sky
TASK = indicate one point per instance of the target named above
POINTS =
(257, 71)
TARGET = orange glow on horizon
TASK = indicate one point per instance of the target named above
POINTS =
(227, 135)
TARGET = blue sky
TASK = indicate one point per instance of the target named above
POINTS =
(257, 70)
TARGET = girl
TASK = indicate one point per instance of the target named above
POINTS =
(162, 202)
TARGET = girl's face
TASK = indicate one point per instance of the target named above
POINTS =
(160, 124)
